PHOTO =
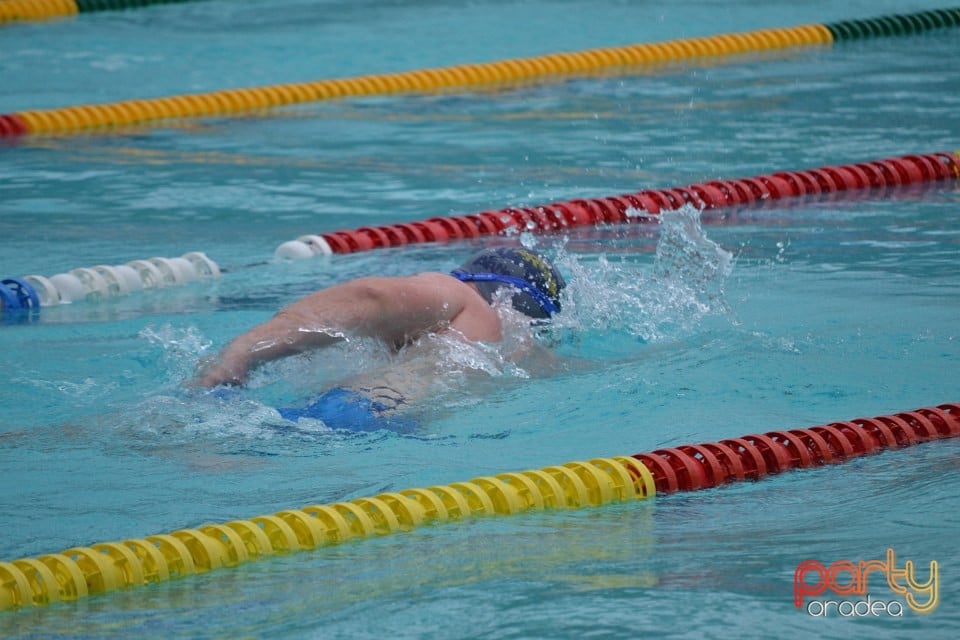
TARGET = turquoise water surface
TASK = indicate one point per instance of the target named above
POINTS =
(793, 314)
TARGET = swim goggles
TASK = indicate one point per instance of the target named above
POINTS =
(549, 306)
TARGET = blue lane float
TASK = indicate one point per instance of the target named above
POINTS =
(16, 294)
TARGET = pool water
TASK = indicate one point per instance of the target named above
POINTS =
(791, 314)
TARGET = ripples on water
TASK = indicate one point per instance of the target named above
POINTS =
(777, 316)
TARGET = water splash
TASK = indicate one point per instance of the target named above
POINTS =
(611, 303)
(685, 285)
(182, 348)
(692, 268)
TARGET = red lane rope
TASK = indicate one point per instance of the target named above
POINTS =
(12, 125)
(646, 205)
(703, 466)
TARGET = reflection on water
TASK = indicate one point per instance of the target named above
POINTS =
(475, 566)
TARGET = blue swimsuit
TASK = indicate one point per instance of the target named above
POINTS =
(341, 408)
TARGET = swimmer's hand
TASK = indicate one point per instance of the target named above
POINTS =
(213, 372)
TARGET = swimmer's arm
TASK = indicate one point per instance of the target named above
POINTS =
(279, 337)
(392, 309)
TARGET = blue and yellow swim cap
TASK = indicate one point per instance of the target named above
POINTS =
(536, 281)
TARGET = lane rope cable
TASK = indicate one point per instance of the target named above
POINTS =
(29, 293)
(24, 10)
(639, 207)
(101, 567)
(624, 59)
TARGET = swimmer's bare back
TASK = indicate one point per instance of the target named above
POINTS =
(396, 310)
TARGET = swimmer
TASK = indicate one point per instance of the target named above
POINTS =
(399, 311)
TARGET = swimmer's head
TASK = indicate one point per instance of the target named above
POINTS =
(535, 281)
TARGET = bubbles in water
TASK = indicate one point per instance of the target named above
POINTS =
(781, 250)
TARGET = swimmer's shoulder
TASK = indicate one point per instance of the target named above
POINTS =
(475, 318)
